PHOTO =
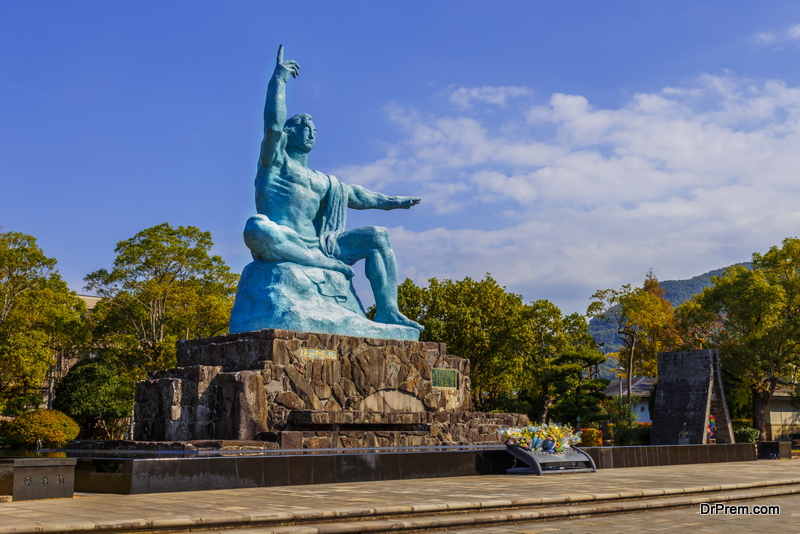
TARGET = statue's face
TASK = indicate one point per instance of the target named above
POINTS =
(303, 136)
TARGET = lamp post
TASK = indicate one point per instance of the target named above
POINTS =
(620, 369)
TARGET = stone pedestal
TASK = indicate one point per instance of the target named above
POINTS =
(305, 390)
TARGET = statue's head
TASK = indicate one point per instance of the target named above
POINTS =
(300, 132)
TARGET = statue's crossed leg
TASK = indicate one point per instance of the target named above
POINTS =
(273, 242)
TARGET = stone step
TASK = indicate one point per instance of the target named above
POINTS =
(454, 514)
(446, 519)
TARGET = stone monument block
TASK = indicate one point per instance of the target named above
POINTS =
(238, 386)
(689, 390)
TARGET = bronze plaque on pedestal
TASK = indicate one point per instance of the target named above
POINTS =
(444, 378)
(318, 353)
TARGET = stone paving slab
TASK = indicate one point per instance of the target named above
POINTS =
(210, 509)
(468, 523)
(674, 520)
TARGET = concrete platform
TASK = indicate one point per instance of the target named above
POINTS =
(161, 471)
(495, 501)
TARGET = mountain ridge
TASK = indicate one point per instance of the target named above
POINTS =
(675, 291)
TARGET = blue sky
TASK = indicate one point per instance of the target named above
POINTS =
(563, 147)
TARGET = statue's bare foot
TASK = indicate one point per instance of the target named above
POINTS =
(396, 317)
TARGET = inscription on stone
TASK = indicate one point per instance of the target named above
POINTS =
(443, 378)
(318, 353)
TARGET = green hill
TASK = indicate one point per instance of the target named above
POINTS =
(675, 291)
(679, 291)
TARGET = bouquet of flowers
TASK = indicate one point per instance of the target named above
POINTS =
(545, 438)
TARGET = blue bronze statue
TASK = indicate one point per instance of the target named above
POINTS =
(301, 276)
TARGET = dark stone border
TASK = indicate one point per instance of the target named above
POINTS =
(170, 474)
(654, 455)
(161, 475)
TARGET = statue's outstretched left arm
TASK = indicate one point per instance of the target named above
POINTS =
(361, 198)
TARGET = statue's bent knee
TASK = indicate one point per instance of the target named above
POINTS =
(381, 237)
(258, 232)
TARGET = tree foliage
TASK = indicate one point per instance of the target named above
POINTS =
(50, 428)
(644, 322)
(523, 357)
(39, 317)
(477, 320)
(753, 318)
(95, 395)
(557, 355)
(164, 286)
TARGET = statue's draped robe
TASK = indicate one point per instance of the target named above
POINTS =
(335, 217)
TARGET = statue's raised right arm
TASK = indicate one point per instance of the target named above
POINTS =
(272, 148)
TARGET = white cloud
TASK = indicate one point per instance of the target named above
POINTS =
(467, 97)
(578, 198)
(778, 36)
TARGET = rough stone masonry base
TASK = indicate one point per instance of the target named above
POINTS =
(300, 389)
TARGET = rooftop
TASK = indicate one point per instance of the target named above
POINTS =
(640, 386)
(90, 300)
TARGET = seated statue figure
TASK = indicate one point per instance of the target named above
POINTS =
(301, 276)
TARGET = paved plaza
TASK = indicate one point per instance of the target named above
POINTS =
(676, 520)
(261, 510)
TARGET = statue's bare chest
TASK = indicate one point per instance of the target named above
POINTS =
(290, 191)
(306, 182)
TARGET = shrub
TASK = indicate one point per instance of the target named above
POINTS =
(741, 422)
(51, 427)
(745, 434)
(591, 437)
(638, 434)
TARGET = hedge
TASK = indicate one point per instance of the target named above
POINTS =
(591, 437)
(51, 427)
(745, 434)
(638, 434)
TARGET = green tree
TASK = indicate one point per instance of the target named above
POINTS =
(557, 355)
(753, 318)
(522, 357)
(39, 317)
(23, 268)
(578, 394)
(95, 395)
(476, 319)
(164, 286)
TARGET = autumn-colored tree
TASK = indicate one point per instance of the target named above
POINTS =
(644, 322)
(660, 334)
(164, 286)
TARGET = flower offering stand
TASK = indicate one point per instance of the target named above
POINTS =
(569, 460)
